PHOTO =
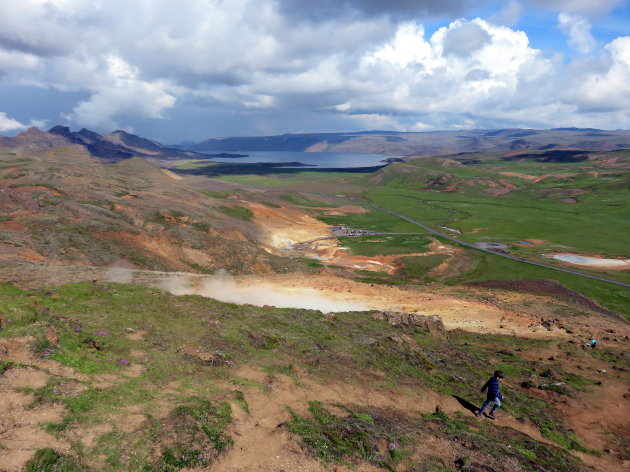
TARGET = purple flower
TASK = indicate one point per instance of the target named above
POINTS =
(102, 332)
(123, 361)
(110, 358)
(393, 446)
(48, 352)
(275, 349)
(228, 362)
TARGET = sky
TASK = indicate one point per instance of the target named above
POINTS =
(186, 70)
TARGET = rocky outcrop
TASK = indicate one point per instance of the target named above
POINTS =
(431, 324)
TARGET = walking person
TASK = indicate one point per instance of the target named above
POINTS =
(593, 343)
(493, 395)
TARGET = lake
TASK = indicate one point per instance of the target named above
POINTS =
(327, 160)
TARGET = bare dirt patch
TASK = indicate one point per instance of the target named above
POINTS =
(12, 226)
(546, 287)
(136, 335)
(20, 433)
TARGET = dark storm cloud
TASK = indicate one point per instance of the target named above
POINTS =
(329, 9)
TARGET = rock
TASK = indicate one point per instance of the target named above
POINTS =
(256, 336)
(601, 371)
(432, 324)
(547, 323)
(438, 409)
(378, 316)
(548, 374)
(93, 344)
(52, 336)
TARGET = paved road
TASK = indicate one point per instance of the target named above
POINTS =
(472, 246)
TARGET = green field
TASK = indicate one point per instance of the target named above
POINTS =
(578, 207)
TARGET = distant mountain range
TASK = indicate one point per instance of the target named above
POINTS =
(427, 143)
(120, 145)
(112, 147)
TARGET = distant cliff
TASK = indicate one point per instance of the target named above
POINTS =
(427, 143)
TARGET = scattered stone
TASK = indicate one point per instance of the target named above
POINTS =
(530, 382)
(548, 324)
(601, 371)
(298, 370)
(548, 374)
(552, 358)
(438, 409)
(568, 331)
(432, 324)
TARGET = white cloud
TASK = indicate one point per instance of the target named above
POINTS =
(145, 60)
(122, 92)
(607, 89)
(9, 124)
(578, 30)
(465, 39)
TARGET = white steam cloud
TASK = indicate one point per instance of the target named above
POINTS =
(224, 288)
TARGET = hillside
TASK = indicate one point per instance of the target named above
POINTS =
(108, 148)
(154, 321)
(427, 143)
(62, 207)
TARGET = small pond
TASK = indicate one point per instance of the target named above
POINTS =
(590, 260)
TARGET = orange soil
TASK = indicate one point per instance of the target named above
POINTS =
(12, 226)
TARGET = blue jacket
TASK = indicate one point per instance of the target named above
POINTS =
(492, 385)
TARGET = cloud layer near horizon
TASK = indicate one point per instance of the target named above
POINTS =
(252, 66)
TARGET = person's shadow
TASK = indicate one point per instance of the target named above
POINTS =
(466, 404)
